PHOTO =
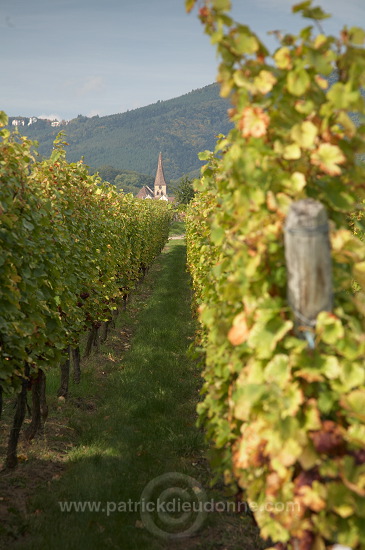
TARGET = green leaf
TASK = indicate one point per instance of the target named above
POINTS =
(331, 366)
(301, 6)
(277, 370)
(298, 82)
(291, 401)
(356, 434)
(27, 225)
(246, 43)
(340, 499)
(342, 96)
(245, 398)
(357, 36)
(308, 458)
(205, 155)
(56, 155)
(221, 5)
(323, 63)
(217, 235)
(189, 4)
(310, 13)
(353, 374)
(347, 123)
(355, 402)
(3, 119)
(326, 401)
(329, 327)
(264, 336)
(315, 13)
(359, 273)
(339, 199)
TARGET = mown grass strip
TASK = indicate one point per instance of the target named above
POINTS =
(177, 228)
(143, 426)
(134, 418)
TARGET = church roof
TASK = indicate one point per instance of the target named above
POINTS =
(160, 178)
(145, 193)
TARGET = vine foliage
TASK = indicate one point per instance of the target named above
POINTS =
(70, 247)
(287, 423)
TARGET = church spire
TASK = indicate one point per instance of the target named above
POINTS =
(160, 183)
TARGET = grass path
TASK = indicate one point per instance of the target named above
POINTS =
(142, 425)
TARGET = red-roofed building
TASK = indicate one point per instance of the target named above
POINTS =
(145, 193)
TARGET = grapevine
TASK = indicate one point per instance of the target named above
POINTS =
(286, 423)
(70, 247)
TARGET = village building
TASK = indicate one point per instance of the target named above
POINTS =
(160, 187)
(18, 122)
(145, 193)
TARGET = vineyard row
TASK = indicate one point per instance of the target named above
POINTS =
(70, 247)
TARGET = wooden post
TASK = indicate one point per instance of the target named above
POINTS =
(65, 375)
(11, 456)
(308, 261)
(76, 358)
(36, 425)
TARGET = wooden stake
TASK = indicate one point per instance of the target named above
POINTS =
(308, 261)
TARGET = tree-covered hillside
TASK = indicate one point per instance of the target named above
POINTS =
(127, 181)
(180, 128)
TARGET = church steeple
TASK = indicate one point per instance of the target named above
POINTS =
(160, 183)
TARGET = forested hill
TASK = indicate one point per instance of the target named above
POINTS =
(180, 128)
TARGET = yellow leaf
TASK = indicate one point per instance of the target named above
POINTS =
(328, 157)
(277, 370)
(284, 202)
(278, 147)
(322, 82)
(298, 181)
(289, 453)
(292, 152)
(304, 134)
(319, 41)
(344, 510)
(264, 82)
(305, 107)
(282, 58)
(339, 238)
(311, 499)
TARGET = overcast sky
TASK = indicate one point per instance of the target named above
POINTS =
(62, 58)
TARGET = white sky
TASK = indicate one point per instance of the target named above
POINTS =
(62, 58)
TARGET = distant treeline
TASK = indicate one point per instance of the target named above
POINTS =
(130, 142)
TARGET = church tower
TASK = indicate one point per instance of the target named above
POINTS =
(160, 183)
